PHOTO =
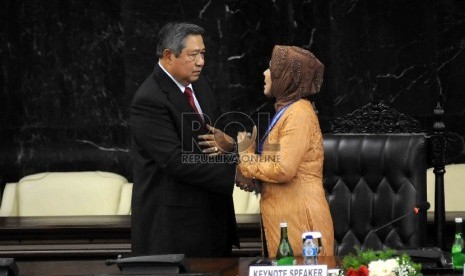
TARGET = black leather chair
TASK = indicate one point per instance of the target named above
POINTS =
(370, 180)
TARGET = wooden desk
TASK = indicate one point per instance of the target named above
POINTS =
(92, 236)
(217, 266)
(111, 235)
(80, 245)
(73, 245)
(64, 236)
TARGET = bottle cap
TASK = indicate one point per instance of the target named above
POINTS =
(309, 237)
(315, 235)
(283, 224)
(458, 220)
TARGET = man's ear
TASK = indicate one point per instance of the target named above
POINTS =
(168, 55)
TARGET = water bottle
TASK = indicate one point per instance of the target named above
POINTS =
(285, 254)
(458, 250)
(310, 251)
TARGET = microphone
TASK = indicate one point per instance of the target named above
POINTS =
(420, 208)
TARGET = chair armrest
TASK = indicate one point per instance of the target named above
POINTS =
(240, 200)
(254, 204)
(9, 204)
(245, 202)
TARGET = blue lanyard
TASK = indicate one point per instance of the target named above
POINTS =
(270, 127)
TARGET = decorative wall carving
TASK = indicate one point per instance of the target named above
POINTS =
(375, 118)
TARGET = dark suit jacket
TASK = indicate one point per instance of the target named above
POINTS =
(177, 207)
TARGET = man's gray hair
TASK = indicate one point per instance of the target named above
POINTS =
(173, 35)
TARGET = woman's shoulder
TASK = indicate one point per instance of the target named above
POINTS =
(301, 107)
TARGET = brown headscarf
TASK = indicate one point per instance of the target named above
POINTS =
(295, 73)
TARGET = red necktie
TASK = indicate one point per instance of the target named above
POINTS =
(190, 98)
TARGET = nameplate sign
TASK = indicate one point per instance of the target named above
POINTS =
(289, 270)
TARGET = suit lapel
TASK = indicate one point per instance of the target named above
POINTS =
(200, 93)
(174, 95)
(177, 98)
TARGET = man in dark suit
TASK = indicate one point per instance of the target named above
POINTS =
(182, 193)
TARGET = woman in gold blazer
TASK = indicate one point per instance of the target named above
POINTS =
(288, 160)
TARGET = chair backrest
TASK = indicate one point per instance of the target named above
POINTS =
(370, 180)
(70, 193)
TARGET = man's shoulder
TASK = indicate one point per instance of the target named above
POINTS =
(149, 81)
(148, 92)
(149, 84)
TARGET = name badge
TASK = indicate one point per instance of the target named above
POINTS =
(289, 270)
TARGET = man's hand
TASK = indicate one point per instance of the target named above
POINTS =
(246, 140)
(244, 183)
(216, 142)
